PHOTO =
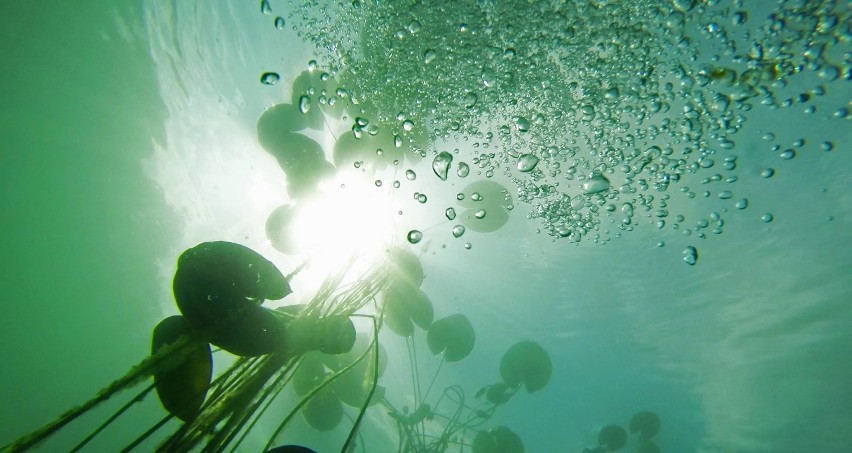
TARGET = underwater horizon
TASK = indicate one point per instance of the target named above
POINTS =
(576, 226)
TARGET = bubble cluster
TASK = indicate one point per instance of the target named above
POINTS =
(595, 113)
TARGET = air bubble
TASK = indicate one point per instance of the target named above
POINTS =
(527, 163)
(690, 255)
(458, 231)
(441, 164)
(415, 236)
(269, 78)
(450, 214)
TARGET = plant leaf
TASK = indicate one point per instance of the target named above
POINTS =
(452, 335)
(497, 440)
(526, 363)
(646, 423)
(613, 437)
(181, 385)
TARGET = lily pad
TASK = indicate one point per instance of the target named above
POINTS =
(453, 335)
(404, 266)
(405, 306)
(291, 449)
(612, 437)
(497, 440)
(498, 393)
(310, 373)
(490, 212)
(526, 363)
(337, 334)
(278, 226)
(324, 411)
(646, 423)
(182, 384)
(277, 124)
(375, 152)
(218, 287)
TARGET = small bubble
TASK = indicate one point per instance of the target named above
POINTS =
(450, 213)
(421, 198)
(269, 78)
(479, 214)
(742, 204)
(279, 23)
(304, 104)
(726, 194)
(827, 146)
(378, 183)
(429, 56)
(527, 163)
(767, 173)
(410, 175)
(467, 245)
(396, 184)
(767, 217)
(788, 154)
(476, 196)
(441, 164)
(407, 125)
(690, 255)
(463, 170)
(459, 196)
(414, 236)
(458, 231)
(265, 8)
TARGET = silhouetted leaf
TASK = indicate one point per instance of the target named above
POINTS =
(612, 437)
(452, 335)
(526, 363)
(291, 449)
(279, 229)
(337, 334)
(310, 373)
(497, 440)
(405, 267)
(324, 411)
(406, 305)
(218, 286)
(277, 124)
(181, 383)
(646, 423)
(499, 393)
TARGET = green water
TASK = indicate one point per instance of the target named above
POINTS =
(130, 135)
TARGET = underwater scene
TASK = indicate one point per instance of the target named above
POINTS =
(484, 226)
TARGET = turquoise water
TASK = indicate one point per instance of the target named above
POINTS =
(130, 135)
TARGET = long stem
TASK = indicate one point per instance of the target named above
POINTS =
(140, 371)
(375, 382)
(112, 418)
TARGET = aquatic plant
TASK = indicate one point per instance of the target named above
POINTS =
(643, 425)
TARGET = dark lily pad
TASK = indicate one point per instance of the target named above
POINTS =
(453, 335)
(498, 393)
(277, 124)
(497, 440)
(218, 287)
(310, 373)
(291, 449)
(612, 437)
(181, 384)
(405, 306)
(337, 335)
(646, 423)
(526, 363)
(324, 411)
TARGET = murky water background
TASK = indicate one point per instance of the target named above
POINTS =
(130, 134)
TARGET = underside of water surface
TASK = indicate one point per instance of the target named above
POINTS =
(426, 226)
